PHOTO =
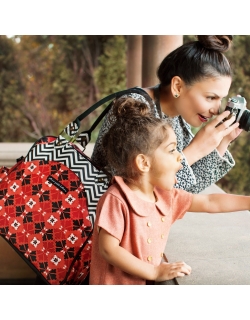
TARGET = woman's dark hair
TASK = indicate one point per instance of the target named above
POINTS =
(135, 131)
(197, 60)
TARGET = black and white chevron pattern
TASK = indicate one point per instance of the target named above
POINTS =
(94, 180)
(71, 132)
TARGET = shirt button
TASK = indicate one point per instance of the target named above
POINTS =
(162, 219)
(149, 240)
(162, 236)
(149, 224)
(162, 254)
(149, 258)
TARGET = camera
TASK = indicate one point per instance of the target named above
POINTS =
(237, 107)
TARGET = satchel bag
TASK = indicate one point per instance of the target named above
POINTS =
(48, 201)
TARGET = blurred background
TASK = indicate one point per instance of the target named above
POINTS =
(46, 81)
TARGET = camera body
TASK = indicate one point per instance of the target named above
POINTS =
(237, 107)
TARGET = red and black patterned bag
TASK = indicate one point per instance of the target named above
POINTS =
(48, 202)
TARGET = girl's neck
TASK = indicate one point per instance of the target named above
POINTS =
(143, 190)
(166, 100)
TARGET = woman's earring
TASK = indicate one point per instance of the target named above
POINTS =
(176, 95)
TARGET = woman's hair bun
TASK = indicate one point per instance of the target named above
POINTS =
(218, 43)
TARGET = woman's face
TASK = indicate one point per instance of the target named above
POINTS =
(201, 101)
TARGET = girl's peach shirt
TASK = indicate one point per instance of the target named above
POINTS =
(141, 227)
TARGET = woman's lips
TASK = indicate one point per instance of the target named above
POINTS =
(202, 118)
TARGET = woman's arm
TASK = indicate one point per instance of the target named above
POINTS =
(204, 172)
(216, 203)
(119, 257)
(209, 170)
(225, 142)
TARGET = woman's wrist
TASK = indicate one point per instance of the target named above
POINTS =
(223, 146)
(192, 155)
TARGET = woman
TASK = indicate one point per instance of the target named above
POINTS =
(193, 79)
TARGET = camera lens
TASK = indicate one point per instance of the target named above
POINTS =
(244, 122)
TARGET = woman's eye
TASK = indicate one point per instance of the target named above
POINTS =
(173, 150)
(210, 98)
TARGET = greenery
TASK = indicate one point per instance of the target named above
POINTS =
(238, 179)
(47, 81)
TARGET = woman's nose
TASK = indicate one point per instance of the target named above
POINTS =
(216, 109)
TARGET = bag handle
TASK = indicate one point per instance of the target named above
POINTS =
(100, 117)
(108, 98)
(157, 99)
(71, 133)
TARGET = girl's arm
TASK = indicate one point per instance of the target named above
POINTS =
(215, 203)
(119, 257)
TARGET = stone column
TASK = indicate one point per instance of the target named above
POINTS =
(154, 49)
(134, 61)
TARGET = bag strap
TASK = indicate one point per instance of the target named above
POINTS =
(108, 98)
(100, 117)
(71, 133)
(157, 99)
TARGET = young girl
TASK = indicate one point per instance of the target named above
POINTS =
(135, 214)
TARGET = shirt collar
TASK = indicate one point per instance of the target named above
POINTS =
(142, 207)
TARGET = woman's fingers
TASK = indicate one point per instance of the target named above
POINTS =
(227, 120)
(219, 119)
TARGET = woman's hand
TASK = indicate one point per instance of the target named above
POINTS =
(167, 271)
(222, 147)
(216, 134)
(230, 137)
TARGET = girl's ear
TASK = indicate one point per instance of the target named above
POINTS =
(176, 85)
(142, 162)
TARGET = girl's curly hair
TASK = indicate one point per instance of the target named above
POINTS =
(135, 131)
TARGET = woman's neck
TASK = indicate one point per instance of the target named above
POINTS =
(167, 101)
